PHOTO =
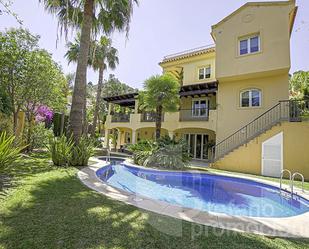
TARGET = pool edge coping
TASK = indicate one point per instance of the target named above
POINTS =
(294, 226)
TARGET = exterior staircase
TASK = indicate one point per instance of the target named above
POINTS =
(287, 110)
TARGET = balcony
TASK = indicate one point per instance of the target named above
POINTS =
(196, 114)
(150, 117)
(120, 117)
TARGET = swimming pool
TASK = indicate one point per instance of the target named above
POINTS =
(112, 160)
(205, 192)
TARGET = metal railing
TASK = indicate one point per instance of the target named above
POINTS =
(281, 176)
(120, 117)
(288, 110)
(189, 51)
(150, 117)
(302, 182)
(196, 114)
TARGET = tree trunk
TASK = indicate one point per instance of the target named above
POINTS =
(99, 125)
(85, 123)
(98, 101)
(77, 109)
(15, 118)
(29, 135)
(158, 121)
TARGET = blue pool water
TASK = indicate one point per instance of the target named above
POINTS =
(206, 192)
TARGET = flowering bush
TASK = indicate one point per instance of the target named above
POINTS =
(44, 114)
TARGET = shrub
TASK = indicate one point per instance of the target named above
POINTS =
(6, 123)
(166, 140)
(169, 156)
(81, 152)
(97, 141)
(40, 136)
(142, 150)
(9, 152)
(60, 150)
(165, 153)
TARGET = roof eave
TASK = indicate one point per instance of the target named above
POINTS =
(185, 56)
(292, 20)
(252, 4)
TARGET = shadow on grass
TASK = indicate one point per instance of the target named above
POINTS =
(27, 165)
(54, 210)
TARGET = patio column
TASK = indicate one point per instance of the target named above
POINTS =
(136, 106)
(171, 134)
(133, 137)
(110, 106)
(106, 139)
(119, 139)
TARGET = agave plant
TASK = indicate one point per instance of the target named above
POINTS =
(81, 152)
(9, 152)
(60, 149)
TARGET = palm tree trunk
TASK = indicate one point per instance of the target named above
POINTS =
(77, 109)
(85, 123)
(98, 101)
(158, 121)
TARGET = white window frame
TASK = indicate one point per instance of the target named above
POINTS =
(204, 72)
(195, 141)
(248, 39)
(199, 108)
(250, 98)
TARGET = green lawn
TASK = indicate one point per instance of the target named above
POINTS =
(48, 207)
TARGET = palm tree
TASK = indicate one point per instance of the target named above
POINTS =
(72, 56)
(90, 17)
(162, 95)
(101, 56)
(104, 55)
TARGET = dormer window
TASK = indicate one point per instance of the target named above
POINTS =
(204, 73)
(249, 45)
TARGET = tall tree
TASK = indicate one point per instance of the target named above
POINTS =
(299, 85)
(104, 55)
(15, 45)
(90, 17)
(44, 83)
(161, 94)
(72, 56)
(112, 87)
(5, 8)
(101, 56)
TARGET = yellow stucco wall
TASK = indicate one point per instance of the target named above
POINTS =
(180, 132)
(272, 22)
(247, 158)
(171, 122)
(191, 66)
(266, 70)
(149, 133)
(231, 116)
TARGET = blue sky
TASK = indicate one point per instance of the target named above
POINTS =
(158, 28)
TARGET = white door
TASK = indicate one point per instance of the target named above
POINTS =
(272, 156)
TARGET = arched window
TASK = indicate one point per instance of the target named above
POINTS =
(250, 98)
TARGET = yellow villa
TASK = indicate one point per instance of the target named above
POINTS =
(234, 100)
